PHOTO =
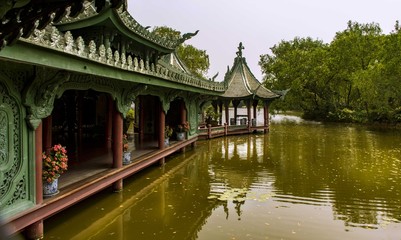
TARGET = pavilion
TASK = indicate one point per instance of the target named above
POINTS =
(241, 87)
(69, 73)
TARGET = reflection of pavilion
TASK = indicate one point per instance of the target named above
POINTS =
(232, 165)
(124, 221)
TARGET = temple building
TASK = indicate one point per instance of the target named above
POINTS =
(70, 73)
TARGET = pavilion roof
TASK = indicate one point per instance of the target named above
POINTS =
(121, 22)
(21, 18)
(241, 83)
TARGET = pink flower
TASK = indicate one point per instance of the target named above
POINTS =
(54, 163)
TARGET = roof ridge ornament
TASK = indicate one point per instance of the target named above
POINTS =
(240, 48)
(187, 36)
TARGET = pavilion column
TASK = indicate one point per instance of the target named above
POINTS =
(35, 231)
(235, 104)
(266, 116)
(255, 104)
(141, 119)
(109, 123)
(227, 112)
(117, 146)
(47, 133)
(162, 125)
(183, 112)
(248, 108)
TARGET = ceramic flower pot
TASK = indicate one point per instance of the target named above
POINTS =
(166, 142)
(180, 136)
(126, 158)
(50, 189)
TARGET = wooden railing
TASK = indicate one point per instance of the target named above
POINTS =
(209, 132)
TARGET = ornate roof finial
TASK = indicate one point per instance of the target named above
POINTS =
(187, 36)
(240, 48)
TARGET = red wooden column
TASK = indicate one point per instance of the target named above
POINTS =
(248, 108)
(38, 164)
(35, 231)
(141, 119)
(47, 124)
(255, 104)
(266, 116)
(109, 123)
(117, 146)
(183, 112)
(162, 125)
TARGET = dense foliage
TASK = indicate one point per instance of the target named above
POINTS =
(196, 60)
(355, 78)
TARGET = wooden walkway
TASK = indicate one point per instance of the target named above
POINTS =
(92, 176)
(100, 160)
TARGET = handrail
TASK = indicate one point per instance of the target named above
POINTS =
(210, 132)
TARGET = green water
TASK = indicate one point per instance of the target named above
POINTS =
(301, 181)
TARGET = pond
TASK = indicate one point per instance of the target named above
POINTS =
(304, 180)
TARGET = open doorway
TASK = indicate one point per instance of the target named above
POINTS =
(80, 122)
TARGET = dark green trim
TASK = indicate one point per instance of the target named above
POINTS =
(110, 17)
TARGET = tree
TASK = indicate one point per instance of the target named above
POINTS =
(352, 52)
(355, 78)
(298, 65)
(196, 60)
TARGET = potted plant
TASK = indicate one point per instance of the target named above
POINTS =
(129, 123)
(168, 132)
(54, 164)
(212, 116)
(181, 131)
(126, 152)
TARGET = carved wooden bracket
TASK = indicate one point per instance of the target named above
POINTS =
(39, 96)
(168, 97)
(127, 96)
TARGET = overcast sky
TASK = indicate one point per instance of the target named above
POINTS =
(259, 24)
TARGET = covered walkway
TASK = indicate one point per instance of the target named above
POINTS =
(100, 160)
(96, 62)
(94, 176)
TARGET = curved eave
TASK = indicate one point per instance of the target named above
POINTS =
(112, 17)
(265, 94)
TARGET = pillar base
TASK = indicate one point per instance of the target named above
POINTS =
(118, 186)
(34, 231)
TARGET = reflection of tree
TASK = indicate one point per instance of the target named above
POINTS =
(355, 172)
(348, 167)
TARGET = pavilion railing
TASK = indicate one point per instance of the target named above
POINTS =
(209, 132)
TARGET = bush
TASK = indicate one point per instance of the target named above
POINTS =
(347, 115)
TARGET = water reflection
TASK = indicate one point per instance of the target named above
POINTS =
(355, 170)
(297, 182)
